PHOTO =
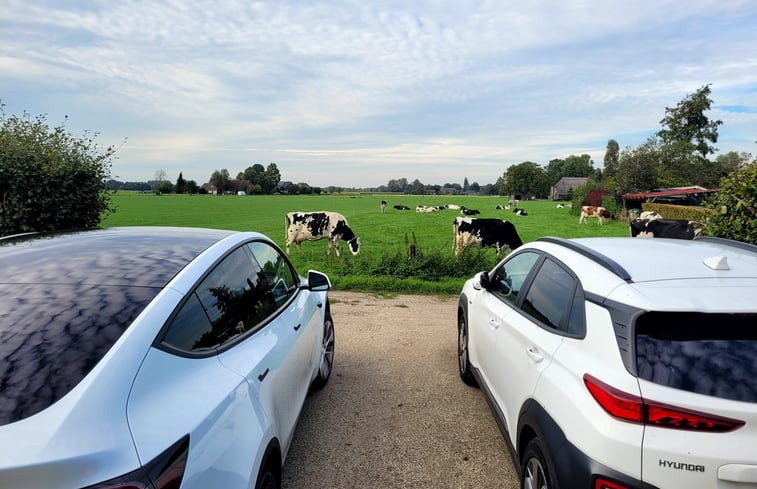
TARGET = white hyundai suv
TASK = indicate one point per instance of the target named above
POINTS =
(619, 363)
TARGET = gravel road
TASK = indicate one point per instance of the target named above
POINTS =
(395, 413)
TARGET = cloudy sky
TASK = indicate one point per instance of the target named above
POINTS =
(355, 93)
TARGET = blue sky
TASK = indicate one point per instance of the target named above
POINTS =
(355, 93)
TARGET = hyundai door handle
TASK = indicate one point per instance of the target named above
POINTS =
(319, 305)
(263, 375)
(297, 328)
(494, 323)
(534, 355)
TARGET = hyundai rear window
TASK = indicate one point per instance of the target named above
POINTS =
(710, 354)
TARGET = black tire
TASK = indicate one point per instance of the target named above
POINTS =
(463, 358)
(326, 359)
(267, 480)
(534, 471)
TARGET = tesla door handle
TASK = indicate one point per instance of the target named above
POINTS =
(534, 354)
(263, 375)
(297, 328)
(494, 323)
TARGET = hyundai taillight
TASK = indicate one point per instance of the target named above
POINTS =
(629, 407)
(163, 472)
(601, 483)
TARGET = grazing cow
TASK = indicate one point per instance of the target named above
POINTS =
(560, 206)
(469, 212)
(520, 212)
(598, 212)
(426, 208)
(383, 206)
(650, 215)
(402, 207)
(503, 207)
(312, 226)
(484, 232)
(665, 228)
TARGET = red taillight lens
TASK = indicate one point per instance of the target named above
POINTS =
(163, 472)
(601, 483)
(628, 407)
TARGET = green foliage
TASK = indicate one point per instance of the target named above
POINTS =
(527, 179)
(612, 155)
(734, 206)
(610, 202)
(571, 166)
(686, 124)
(50, 179)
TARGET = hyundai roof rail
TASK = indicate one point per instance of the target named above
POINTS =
(593, 255)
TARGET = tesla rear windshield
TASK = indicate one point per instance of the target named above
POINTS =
(51, 336)
(711, 354)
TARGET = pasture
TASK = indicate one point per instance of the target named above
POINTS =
(382, 234)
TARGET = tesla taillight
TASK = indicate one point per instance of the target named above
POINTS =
(163, 472)
(629, 407)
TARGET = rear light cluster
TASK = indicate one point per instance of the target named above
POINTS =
(163, 472)
(629, 407)
(601, 483)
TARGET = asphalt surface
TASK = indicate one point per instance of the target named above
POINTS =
(395, 412)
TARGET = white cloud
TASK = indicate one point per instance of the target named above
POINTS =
(374, 87)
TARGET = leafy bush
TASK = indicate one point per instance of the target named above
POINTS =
(670, 211)
(734, 206)
(49, 179)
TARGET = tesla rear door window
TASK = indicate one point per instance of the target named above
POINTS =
(51, 336)
(233, 299)
(711, 354)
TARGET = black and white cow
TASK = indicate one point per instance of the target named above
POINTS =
(484, 232)
(469, 212)
(383, 206)
(312, 226)
(401, 207)
(665, 228)
(520, 212)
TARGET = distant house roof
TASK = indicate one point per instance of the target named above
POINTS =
(564, 186)
(283, 184)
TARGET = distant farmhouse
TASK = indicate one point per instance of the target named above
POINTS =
(564, 187)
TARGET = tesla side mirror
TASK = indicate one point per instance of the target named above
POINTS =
(482, 280)
(318, 281)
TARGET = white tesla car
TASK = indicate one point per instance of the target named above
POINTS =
(154, 358)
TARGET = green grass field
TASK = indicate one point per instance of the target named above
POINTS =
(381, 235)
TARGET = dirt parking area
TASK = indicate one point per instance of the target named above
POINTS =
(395, 413)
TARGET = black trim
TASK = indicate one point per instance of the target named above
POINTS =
(209, 352)
(623, 319)
(603, 260)
(571, 467)
(729, 242)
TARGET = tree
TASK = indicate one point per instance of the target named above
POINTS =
(220, 180)
(399, 185)
(686, 124)
(181, 184)
(417, 188)
(612, 154)
(192, 187)
(571, 166)
(734, 206)
(50, 179)
(637, 168)
(160, 177)
(272, 178)
(466, 187)
(527, 179)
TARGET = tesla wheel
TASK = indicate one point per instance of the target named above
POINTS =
(267, 480)
(326, 363)
(463, 359)
(534, 472)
